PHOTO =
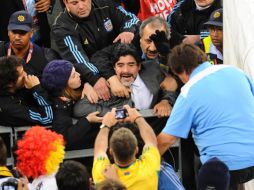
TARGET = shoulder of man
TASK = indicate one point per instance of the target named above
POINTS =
(100, 3)
(51, 54)
(150, 65)
(182, 6)
(177, 11)
(151, 71)
(63, 20)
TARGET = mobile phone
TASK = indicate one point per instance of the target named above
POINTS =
(121, 113)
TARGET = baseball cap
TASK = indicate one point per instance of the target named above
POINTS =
(20, 20)
(216, 18)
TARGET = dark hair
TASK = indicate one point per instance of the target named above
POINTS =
(72, 175)
(215, 174)
(123, 143)
(8, 71)
(186, 57)
(110, 184)
(3, 153)
(124, 50)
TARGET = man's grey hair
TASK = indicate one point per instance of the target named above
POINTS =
(155, 22)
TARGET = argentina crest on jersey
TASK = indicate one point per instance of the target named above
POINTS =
(108, 25)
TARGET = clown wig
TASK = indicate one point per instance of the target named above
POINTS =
(39, 152)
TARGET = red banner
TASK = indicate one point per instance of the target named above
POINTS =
(160, 8)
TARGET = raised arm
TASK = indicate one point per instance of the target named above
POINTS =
(101, 142)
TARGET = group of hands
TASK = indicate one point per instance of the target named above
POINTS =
(113, 85)
(103, 88)
(109, 119)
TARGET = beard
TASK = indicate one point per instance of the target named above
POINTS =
(127, 79)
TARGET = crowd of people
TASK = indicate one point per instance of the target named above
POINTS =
(127, 79)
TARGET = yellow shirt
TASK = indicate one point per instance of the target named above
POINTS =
(142, 174)
(4, 171)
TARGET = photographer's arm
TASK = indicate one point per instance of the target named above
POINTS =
(101, 142)
(146, 131)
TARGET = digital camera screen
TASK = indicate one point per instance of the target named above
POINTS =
(121, 113)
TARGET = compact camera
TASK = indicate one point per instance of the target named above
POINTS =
(10, 184)
(121, 113)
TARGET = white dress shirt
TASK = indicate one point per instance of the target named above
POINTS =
(140, 94)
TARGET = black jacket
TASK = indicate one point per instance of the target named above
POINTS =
(77, 134)
(8, 7)
(150, 73)
(40, 58)
(26, 107)
(77, 39)
(186, 20)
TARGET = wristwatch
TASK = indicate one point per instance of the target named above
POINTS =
(103, 126)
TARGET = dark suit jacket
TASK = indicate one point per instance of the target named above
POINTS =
(152, 76)
(8, 7)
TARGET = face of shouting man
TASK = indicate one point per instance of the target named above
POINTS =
(127, 69)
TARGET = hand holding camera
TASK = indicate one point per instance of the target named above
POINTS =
(133, 114)
(121, 113)
(10, 184)
(15, 184)
(125, 114)
(109, 118)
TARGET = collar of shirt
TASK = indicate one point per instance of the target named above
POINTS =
(137, 82)
(202, 8)
(201, 67)
(214, 50)
(140, 94)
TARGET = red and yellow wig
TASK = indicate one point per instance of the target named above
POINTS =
(39, 152)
